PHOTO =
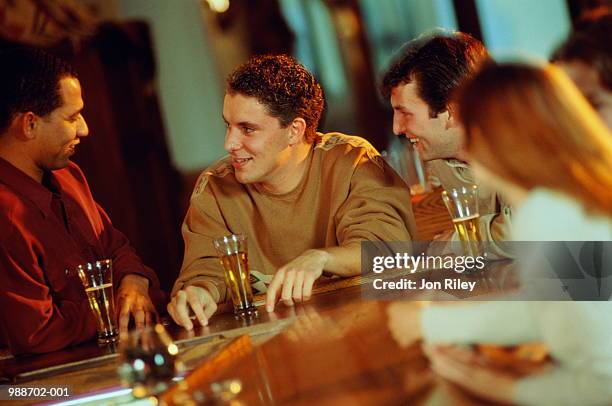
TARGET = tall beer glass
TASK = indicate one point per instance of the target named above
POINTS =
(97, 279)
(462, 204)
(232, 250)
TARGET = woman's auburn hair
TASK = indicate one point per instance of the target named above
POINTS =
(530, 125)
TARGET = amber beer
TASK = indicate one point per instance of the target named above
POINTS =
(102, 304)
(237, 280)
(462, 205)
(97, 280)
(468, 231)
(232, 250)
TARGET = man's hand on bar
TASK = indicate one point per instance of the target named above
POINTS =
(293, 282)
(133, 299)
(196, 298)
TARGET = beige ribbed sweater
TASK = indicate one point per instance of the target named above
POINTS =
(348, 194)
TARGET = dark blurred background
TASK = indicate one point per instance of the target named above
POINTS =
(153, 76)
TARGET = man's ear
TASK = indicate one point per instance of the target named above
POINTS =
(26, 123)
(453, 112)
(297, 130)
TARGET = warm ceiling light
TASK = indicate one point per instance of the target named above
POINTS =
(218, 6)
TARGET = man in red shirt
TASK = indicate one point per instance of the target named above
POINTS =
(49, 221)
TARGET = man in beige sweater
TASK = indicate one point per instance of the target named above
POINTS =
(420, 84)
(304, 200)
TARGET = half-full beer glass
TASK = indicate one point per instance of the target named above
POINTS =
(232, 250)
(97, 279)
(462, 204)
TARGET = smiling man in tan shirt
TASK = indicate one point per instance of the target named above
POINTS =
(420, 85)
(305, 200)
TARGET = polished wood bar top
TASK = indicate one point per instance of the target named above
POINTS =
(334, 349)
(340, 355)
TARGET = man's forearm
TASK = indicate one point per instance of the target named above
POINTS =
(343, 261)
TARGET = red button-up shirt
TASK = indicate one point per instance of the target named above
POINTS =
(44, 231)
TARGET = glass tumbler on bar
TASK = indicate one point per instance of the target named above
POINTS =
(97, 279)
(462, 204)
(232, 251)
(148, 360)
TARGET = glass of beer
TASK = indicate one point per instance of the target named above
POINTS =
(148, 360)
(462, 204)
(232, 250)
(97, 279)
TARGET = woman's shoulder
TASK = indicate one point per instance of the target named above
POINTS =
(548, 215)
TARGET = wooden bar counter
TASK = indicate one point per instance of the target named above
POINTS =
(334, 349)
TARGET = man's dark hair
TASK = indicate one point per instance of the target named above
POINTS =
(439, 62)
(590, 44)
(29, 81)
(284, 86)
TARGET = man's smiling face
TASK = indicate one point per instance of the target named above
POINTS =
(411, 119)
(58, 132)
(258, 145)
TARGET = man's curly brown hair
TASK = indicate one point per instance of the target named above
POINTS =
(284, 86)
